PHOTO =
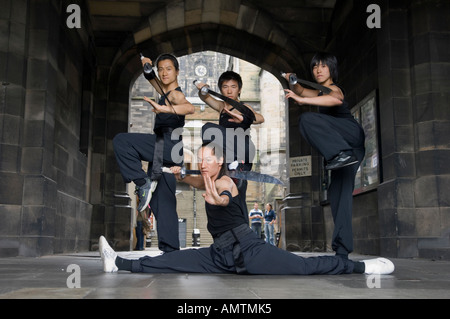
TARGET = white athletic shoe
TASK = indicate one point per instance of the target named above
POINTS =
(378, 266)
(108, 256)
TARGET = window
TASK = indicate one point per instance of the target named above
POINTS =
(365, 112)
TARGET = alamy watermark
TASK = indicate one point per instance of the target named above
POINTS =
(374, 19)
(74, 19)
(74, 279)
(373, 281)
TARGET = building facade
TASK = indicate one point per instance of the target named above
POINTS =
(65, 93)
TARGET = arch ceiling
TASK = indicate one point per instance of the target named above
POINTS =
(272, 34)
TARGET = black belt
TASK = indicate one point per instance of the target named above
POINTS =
(158, 155)
(231, 238)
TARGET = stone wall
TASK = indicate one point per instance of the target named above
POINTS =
(44, 174)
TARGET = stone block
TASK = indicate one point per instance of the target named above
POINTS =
(15, 97)
(443, 187)
(404, 136)
(37, 75)
(405, 165)
(38, 221)
(17, 37)
(440, 81)
(11, 220)
(9, 157)
(388, 223)
(36, 246)
(34, 133)
(425, 190)
(401, 83)
(421, 81)
(35, 105)
(439, 47)
(247, 18)
(407, 248)
(32, 160)
(11, 130)
(428, 222)
(433, 162)
(387, 195)
(175, 15)
(423, 107)
(11, 188)
(39, 191)
(158, 22)
(406, 222)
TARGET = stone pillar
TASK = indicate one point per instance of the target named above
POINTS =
(414, 117)
(43, 173)
(13, 25)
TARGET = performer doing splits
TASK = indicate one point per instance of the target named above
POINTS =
(236, 247)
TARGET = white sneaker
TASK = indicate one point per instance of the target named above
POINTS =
(378, 266)
(108, 256)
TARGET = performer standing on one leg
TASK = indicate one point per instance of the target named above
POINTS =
(339, 138)
(164, 148)
(233, 126)
(236, 248)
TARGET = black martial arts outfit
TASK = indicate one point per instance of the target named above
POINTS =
(332, 131)
(132, 148)
(237, 144)
(237, 249)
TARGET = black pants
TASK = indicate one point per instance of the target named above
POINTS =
(259, 257)
(130, 150)
(331, 135)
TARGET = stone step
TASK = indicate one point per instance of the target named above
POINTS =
(435, 253)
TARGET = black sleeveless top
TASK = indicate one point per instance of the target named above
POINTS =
(340, 111)
(165, 120)
(222, 219)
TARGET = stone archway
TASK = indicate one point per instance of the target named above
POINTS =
(236, 30)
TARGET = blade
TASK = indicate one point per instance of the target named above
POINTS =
(294, 80)
(316, 86)
(190, 172)
(255, 177)
(237, 105)
(245, 175)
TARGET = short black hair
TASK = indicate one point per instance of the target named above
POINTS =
(228, 76)
(328, 60)
(167, 56)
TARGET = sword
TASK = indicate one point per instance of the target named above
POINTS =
(243, 175)
(293, 80)
(241, 107)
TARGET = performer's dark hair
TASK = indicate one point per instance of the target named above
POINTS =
(228, 76)
(167, 56)
(328, 60)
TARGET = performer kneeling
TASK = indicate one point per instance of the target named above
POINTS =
(236, 247)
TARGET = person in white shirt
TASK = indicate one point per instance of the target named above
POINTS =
(255, 216)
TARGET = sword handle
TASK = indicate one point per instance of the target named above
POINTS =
(292, 78)
(183, 172)
(204, 90)
(147, 67)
